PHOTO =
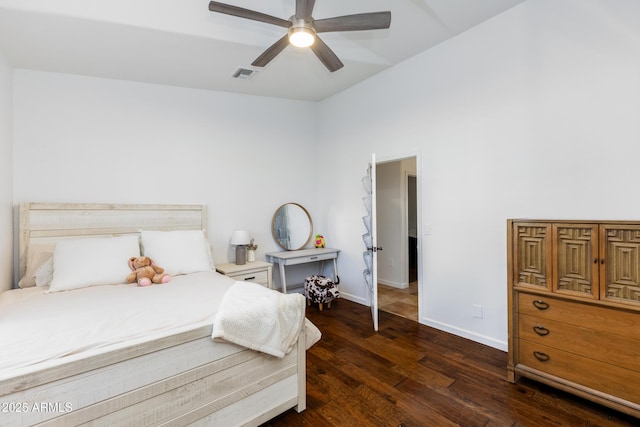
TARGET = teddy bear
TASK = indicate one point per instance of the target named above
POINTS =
(145, 272)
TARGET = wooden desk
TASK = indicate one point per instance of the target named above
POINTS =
(302, 256)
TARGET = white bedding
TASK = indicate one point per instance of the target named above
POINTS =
(259, 318)
(37, 326)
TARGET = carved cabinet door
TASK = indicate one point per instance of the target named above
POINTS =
(620, 263)
(575, 253)
(532, 255)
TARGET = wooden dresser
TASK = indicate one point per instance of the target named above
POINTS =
(574, 307)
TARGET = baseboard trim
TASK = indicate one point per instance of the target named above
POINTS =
(473, 336)
(393, 284)
(354, 298)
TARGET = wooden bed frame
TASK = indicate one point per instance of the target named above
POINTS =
(182, 379)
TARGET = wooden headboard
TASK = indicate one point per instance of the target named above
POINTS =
(48, 222)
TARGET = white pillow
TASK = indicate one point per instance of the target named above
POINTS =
(80, 263)
(37, 254)
(178, 252)
(44, 274)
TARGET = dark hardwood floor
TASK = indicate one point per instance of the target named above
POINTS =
(408, 374)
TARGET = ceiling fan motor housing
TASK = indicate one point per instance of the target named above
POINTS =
(302, 32)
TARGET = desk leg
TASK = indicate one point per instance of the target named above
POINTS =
(335, 270)
(283, 280)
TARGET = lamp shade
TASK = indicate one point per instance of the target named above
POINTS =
(240, 237)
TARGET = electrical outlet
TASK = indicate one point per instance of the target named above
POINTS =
(477, 311)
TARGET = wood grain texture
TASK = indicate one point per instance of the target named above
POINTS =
(576, 259)
(532, 260)
(401, 302)
(620, 281)
(409, 374)
(581, 334)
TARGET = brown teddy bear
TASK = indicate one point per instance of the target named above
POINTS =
(145, 271)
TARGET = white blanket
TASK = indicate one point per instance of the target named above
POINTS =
(258, 318)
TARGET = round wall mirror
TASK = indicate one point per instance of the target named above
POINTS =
(291, 226)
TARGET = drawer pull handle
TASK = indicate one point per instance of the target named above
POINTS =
(541, 330)
(540, 305)
(250, 278)
(543, 357)
(313, 257)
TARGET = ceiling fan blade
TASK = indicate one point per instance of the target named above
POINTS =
(271, 52)
(228, 9)
(326, 55)
(358, 22)
(304, 9)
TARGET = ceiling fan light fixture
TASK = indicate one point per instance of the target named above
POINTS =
(303, 29)
(301, 37)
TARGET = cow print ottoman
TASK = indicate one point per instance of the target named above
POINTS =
(321, 290)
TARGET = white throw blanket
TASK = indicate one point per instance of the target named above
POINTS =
(258, 318)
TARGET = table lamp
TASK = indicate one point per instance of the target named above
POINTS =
(240, 238)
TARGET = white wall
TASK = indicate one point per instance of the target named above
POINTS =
(6, 175)
(80, 139)
(532, 114)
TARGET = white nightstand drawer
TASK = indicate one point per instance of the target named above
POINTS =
(258, 272)
(260, 277)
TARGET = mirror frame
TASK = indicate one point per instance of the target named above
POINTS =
(273, 231)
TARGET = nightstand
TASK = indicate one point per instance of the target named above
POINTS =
(257, 271)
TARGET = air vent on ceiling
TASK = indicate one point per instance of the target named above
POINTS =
(243, 73)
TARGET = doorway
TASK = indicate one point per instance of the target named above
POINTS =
(397, 233)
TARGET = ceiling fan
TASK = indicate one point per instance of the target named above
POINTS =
(303, 29)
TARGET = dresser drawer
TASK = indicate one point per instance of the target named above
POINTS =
(260, 277)
(584, 341)
(608, 320)
(596, 375)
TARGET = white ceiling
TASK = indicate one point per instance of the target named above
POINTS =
(182, 43)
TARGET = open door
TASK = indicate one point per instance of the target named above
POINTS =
(370, 254)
